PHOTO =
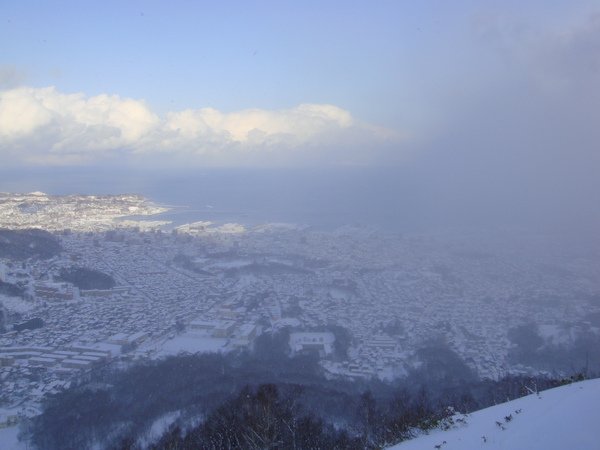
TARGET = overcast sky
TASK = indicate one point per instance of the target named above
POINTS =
(294, 83)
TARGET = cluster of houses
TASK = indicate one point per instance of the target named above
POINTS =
(391, 295)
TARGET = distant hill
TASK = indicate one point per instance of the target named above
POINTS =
(565, 417)
(24, 244)
(85, 278)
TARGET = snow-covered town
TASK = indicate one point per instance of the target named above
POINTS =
(299, 225)
(208, 288)
(77, 212)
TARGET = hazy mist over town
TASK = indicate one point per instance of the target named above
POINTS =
(307, 225)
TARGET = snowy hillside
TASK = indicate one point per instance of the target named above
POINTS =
(567, 417)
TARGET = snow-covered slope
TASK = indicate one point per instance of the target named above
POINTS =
(567, 417)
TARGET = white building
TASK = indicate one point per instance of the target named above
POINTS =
(321, 342)
(245, 335)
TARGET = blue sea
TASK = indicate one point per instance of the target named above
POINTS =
(394, 199)
(318, 198)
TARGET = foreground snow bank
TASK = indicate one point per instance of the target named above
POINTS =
(567, 417)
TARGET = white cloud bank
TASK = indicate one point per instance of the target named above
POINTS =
(45, 126)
